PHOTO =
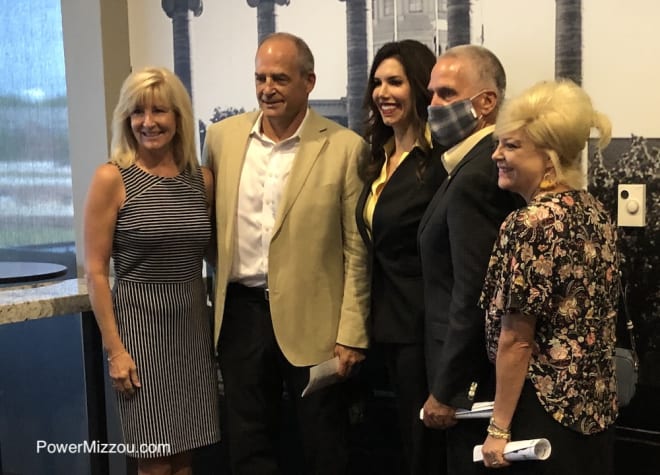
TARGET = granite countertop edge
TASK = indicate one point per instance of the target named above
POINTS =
(43, 300)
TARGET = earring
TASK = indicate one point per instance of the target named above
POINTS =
(547, 183)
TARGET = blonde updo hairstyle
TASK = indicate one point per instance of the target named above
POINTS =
(141, 88)
(557, 116)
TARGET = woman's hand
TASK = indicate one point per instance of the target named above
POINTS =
(493, 452)
(123, 373)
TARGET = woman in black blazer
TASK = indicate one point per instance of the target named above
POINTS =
(401, 176)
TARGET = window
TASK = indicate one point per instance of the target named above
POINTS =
(415, 6)
(36, 205)
(388, 7)
(43, 389)
(442, 8)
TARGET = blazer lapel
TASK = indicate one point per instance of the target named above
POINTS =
(312, 142)
(230, 172)
(436, 152)
(474, 152)
(359, 215)
(433, 204)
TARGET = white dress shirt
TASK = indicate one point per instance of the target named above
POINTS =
(263, 179)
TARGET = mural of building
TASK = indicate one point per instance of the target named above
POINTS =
(333, 109)
(422, 20)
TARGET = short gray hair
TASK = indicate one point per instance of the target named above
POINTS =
(488, 67)
(305, 56)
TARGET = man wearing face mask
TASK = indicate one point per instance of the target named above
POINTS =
(456, 236)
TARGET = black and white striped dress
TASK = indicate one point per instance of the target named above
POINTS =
(160, 305)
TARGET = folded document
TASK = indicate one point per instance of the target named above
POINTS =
(480, 410)
(532, 449)
(322, 375)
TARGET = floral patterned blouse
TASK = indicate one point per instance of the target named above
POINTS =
(556, 259)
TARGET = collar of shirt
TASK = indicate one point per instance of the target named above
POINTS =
(455, 154)
(256, 131)
(389, 149)
(378, 184)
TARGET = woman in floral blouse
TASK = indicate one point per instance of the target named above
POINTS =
(550, 293)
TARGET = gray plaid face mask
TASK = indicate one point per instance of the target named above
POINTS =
(453, 122)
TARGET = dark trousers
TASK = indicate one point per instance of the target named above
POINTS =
(461, 440)
(254, 373)
(423, 448)
(572, 453)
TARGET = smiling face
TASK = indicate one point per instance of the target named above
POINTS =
(521, 164)
(282, 87)
(392, 94)
(154, 126)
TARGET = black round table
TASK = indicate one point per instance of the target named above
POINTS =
(20, 272)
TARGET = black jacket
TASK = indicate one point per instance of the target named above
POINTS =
(456, 237)
(397, 296)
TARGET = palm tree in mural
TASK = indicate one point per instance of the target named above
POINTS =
(265, 16)
(356, 46)
(178, 10)
(458, 22)
(568, 40)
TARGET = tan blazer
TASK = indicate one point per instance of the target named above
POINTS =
(317, 275)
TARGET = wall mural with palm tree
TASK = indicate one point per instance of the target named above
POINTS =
(178, 11)
(568, 40)
(265, 16)
(356, 63)
(458, 22)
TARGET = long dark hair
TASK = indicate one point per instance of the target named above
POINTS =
(417, 61)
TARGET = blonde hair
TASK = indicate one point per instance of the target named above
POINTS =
(146, 86)
(557, 116)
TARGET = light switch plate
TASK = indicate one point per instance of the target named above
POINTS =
(631, 209)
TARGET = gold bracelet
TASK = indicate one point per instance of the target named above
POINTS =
(494, 424)
(497, 433)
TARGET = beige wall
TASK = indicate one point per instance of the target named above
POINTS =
(622, 65)
(97, 61)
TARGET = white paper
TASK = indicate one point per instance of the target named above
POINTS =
(532, 449)
(480, 410)
(322, 375)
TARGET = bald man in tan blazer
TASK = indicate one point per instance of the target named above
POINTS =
(291, 278)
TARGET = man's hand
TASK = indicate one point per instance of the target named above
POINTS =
(348, 358)
(438, 415)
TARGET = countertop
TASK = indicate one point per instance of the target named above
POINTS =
(41, 300)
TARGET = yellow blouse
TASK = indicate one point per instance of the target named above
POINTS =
(379, 183)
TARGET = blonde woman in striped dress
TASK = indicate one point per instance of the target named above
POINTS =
(148, 209)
